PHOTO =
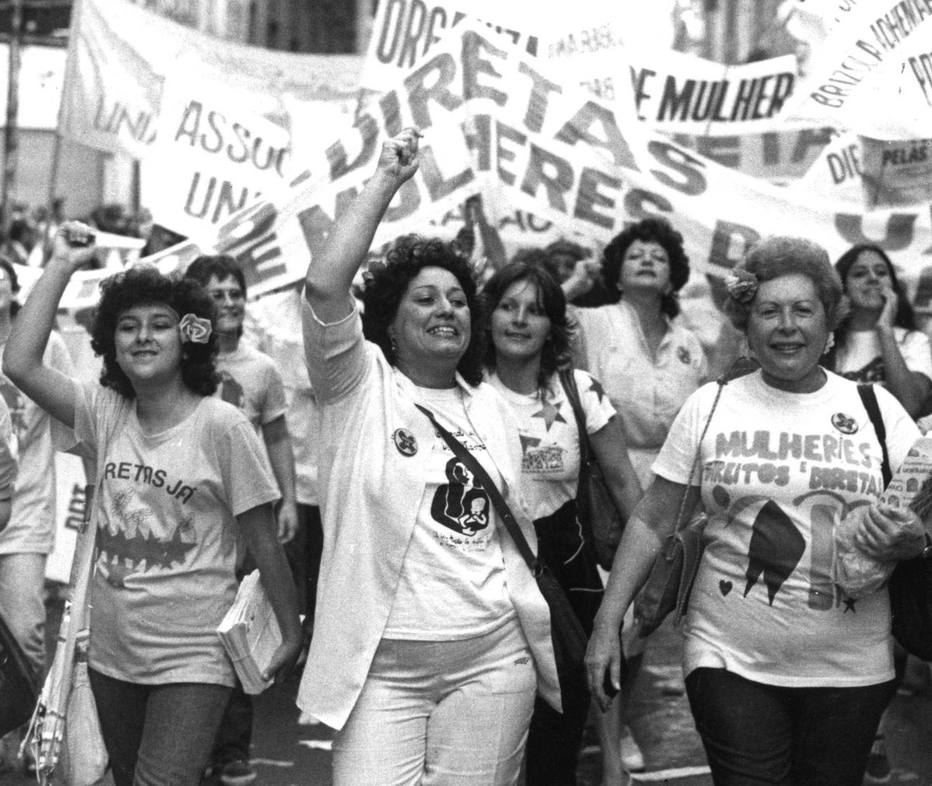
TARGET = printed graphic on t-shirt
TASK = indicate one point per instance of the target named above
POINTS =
(542, 459)
(460, 504)
(838, 471)
(135, 547)
(231, 391)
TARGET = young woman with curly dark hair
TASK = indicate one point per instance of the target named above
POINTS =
(431, 637)
(527, 346)
(181, 474)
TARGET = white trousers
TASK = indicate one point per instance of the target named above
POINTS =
(450, 713)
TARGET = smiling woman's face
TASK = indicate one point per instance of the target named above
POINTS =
(433, 321)
(787, 332)
(520, 326)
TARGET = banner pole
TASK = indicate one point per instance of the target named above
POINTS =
(10, 131)
(74, 28)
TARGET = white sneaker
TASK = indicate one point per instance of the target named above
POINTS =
(632, 759)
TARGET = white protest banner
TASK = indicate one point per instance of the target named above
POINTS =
(404, 30)
(896, 173)
(42, 68)
(676, 92)
(836, 173)
(120, 55)
(70, 500)
(920, 68)
(490, 114)
(212, 156)
(777, 156)
(860, 63)
(569, 162)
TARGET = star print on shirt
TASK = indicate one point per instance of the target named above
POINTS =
(597, 388)
(550, 414)
(849, 606)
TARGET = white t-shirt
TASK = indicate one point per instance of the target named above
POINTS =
(166, 534)
(780, 471)
(251, 382)
(861, 360)
(452, 583)
(550, 438)
(32, 519)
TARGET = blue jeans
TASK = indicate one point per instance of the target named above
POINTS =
(158, 735)
(22, 604)
(765, 734)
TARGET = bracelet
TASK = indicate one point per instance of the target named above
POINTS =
(926, 552)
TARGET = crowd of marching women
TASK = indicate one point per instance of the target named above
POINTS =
(399, 458)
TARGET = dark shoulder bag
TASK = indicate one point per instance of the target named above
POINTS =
(910, 586)
(670, 581)
(601, 520)
(567, 634)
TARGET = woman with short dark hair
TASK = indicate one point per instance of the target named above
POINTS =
(431, 637)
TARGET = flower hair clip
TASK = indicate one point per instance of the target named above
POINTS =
(194, 329)
(741, 285)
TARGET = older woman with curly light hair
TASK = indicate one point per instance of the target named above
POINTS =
(786, 674)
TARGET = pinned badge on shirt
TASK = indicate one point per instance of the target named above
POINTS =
(683, 354)
(405, 441)
(844, 423)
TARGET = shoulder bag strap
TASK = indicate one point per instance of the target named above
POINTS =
(869, 399)
(501, 507)
(680, 523)
(572, 394)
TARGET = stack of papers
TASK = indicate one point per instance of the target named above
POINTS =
(250, 634)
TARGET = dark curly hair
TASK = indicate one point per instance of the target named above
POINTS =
(778, 256)
(386, 284)
(649, 230)
(145, 285)
(556, 350)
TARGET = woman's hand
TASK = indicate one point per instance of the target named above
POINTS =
(283, 660)
(604, 663)
(74, 244)
(890, 534)
(888, 313)
(585, 273)
(399, 157)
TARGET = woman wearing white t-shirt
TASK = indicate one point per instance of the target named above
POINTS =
(879, 341)
(787, 676)
(431, 637)
(527, 343)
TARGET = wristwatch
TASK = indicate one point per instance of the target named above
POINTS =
(926, 552)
